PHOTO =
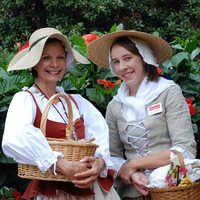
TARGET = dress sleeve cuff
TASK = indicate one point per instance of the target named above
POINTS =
(49, 161)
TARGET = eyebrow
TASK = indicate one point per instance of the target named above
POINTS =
(128, 54)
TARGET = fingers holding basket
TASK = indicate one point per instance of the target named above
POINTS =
(87, 178)
(70, 168)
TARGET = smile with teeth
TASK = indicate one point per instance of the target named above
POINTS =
(53, 72)
(127, 75)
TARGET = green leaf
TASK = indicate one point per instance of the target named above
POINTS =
(2, 65)
(190, 87)
(10, 84)
(195, 77)
(113, 28)
(102, 90)
(191, 46)
(115, 89)
(94, 95)
(3, 73)
(195, 128)
(6, 100)
(178, 58)
(67, 85)
(195, 53)
(78, 40)
(77, 82)
(119, 27)
(77, 71)
(177, 46)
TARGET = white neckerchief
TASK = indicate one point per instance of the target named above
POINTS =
(133, 108)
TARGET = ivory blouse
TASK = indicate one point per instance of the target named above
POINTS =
(26, 144)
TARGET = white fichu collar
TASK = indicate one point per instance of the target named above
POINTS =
(144, 50)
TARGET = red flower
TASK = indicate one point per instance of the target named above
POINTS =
(21, 48)
(192, 109)
(159, 70)
(89, 38)
(108, 83)
(17, 195)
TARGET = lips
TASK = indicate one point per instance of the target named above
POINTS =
(54, 72)
(128, 75)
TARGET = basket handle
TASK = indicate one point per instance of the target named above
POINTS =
(69, 126)
(180, 157)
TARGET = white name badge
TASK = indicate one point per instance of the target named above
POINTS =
(154, 109)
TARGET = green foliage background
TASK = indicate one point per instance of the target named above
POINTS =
(177, 22)
(19, 18)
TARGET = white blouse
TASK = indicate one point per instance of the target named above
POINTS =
(26, 144)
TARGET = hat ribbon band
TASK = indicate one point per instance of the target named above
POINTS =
(34, 43)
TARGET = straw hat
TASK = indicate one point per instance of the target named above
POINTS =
(98, 50)
(29, 57)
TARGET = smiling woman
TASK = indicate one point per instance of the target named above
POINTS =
(144, 117)
(52, 65)
(49, 56)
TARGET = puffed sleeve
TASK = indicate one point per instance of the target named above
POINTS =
(179, 123)
(116, 146)
(21, 140)
(95, 127)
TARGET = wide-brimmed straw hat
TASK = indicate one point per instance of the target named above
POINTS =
(29, 57)
(98, 50)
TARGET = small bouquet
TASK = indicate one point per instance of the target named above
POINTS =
(178, 180)
(176, 175)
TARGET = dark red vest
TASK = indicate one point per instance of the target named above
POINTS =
(55, 130)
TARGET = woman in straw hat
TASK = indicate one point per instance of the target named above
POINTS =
(49, 55)
(149, 116)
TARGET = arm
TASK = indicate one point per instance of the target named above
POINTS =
(116, 146)
(179, 123)
(95, 127)
(21, 140)
(180, 132)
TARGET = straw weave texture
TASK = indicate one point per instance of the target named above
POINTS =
(72, 150)
(188, 192)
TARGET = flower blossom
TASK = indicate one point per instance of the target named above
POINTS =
(109, 84)
(159, 70)
(191, 108)
(21, 48)
(89, 38)
(17, 195)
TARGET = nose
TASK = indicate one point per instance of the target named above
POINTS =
(122, 65)
(54, 62)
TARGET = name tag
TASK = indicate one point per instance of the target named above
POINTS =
(154, 109)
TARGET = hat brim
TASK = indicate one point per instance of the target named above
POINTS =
(98, 50)
(28, 58)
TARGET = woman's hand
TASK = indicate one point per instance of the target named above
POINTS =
(125, 173)
(87, 178)
(140, 181)
(70, 168)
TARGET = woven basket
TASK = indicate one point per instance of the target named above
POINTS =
(72, 150)
(188, 192)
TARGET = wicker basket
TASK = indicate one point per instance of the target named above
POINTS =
(72, 150)
(188, 192)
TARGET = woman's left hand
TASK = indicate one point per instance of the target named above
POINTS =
(87, 178)
(125, 173)
(140, 181)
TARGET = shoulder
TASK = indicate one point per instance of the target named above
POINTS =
(22, 96)
(173, 92)
(113, 108)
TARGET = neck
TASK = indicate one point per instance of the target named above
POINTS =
(48, 89)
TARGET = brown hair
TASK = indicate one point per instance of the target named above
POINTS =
(151, 70)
